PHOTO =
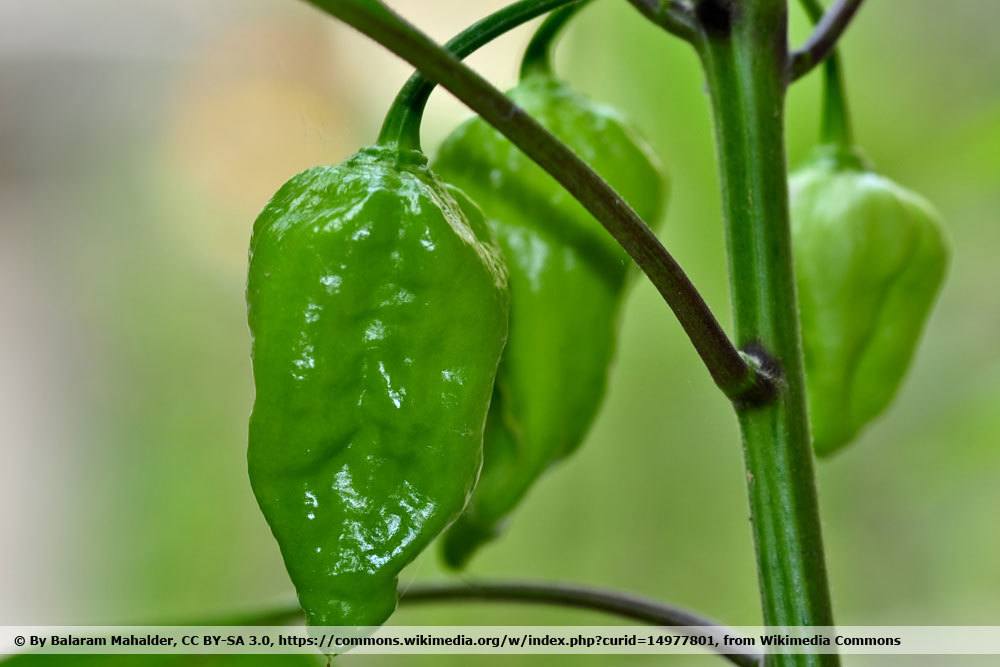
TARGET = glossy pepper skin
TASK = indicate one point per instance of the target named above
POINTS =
(870, 258)
(567, 278)
(378, 307)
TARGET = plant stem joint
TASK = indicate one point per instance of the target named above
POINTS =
(716, 17)
(767, 381)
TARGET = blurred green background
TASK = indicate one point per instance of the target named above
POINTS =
(138, 141)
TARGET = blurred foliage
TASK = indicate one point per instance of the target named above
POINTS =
(132, 194)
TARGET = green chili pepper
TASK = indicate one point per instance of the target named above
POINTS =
(378, 307)
(869, 259)
(568, 277)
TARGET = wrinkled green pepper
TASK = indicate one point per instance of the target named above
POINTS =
(870, 258)
(568, 277)
(378, 306)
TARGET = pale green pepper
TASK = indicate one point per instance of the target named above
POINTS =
(870, 258)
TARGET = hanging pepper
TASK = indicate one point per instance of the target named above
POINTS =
(378, 306)
(567, 276)
(869, 260)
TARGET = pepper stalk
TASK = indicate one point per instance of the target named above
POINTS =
(401, 126)
(836, 127)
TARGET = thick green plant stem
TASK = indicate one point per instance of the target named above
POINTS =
(402, 122)
(745, 55)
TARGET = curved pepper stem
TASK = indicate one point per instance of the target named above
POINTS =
(401, 126)
(836, 124)
(538, 56)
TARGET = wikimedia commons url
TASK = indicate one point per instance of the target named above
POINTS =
(748, 642)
